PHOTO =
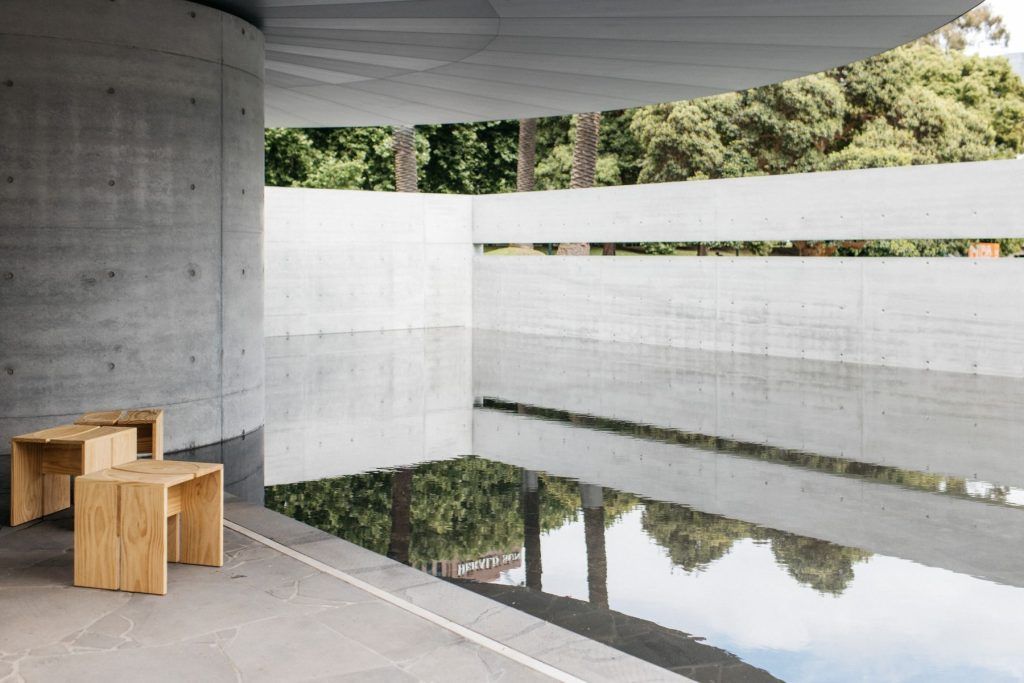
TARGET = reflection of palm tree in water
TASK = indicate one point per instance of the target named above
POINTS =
(695, 539)
(401, 515)
(531, 529)
(593, 530)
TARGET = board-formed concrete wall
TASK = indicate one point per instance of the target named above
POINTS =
(131, 201)
(349, 261)
(949, 314)
(342, 261)
(928, 202)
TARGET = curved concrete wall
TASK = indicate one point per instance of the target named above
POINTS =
(131, 230)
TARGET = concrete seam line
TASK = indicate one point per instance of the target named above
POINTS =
(444, 622)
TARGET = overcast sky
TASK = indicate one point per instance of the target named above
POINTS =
(1013, 16)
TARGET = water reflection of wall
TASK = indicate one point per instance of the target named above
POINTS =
(965, 536)
(956, 424)
(348, 403)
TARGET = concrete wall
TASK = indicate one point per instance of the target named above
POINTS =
(955, 315)
(342, 261)
(957, 425)
(346, 261)
(944, 200)
(131, 195)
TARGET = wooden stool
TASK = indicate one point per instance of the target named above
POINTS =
(43, 462)
(149, 422)
(130, 520)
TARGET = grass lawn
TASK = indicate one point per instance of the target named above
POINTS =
(595, 250)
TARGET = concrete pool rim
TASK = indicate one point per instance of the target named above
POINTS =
(527, 640)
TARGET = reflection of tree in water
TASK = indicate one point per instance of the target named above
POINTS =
(459, 509)
(824, 566)
(356, 508)
(695, 539)
(469, 507)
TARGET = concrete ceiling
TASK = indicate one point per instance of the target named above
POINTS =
(384, 62)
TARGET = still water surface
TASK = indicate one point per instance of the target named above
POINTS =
(735, 534)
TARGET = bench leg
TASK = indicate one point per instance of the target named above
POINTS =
(143, 538)
(97, 550)
(202, 520)
(26, 482)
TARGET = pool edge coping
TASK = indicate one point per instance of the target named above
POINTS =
(530, 641)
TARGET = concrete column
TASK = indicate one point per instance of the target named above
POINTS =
(131, 215)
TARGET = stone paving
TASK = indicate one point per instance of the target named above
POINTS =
(262, 617)
(267, 616)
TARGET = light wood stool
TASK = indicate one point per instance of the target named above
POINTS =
(130, 520)
(43, 462)
(149, 422)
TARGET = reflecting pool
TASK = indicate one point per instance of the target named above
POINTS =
(730, 518)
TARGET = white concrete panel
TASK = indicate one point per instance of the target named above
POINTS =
(346, 261)
(940, 201)
(953, 315)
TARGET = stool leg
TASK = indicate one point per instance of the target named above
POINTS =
(97, 562)
(123, 448)
(26, 482)
(174, 538)
(144, 538)
(56, 493)
(202, 520)
(158, 438)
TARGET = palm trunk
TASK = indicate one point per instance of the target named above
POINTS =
(526, 162)
(531, 530)
(404, 144)
(593, 533)
(401, 516)
(584, 166)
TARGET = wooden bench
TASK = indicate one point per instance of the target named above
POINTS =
(43, 462)
(131, 519)
(149, 423)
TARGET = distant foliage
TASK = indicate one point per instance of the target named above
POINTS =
(913, 105)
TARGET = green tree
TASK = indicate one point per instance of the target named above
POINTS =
(403, 145)
(825, 567)
(980, 25)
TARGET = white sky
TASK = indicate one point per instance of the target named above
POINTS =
(1013, 16)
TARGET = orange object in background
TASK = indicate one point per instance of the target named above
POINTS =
(983, 250)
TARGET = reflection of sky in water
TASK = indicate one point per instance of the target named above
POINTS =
(896, 621)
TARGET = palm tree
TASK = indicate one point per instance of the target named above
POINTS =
(593, 533)
(527, 159)
(531, 529)
(584, 165)
(526, 162)
(400, 541)
(403, 142)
